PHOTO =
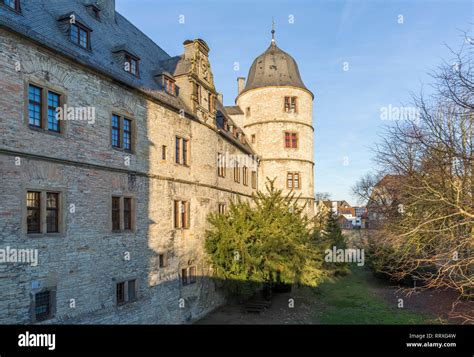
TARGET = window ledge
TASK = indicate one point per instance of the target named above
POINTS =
(46, 131)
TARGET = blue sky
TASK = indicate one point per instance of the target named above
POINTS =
(386, 59)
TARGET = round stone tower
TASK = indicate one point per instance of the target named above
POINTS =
(277, 119)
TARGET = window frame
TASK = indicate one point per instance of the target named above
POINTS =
(245, 176)
(17, 7)
(43, 212)
(293, 180)
(121, 133)
(221, 165)
(290, 104)
(236, 172)
(254, 179)
(126, 291)
(293, 139)
(44, 106)
(77, 41)
(181, 214)
(188, 275)
(129, 59)
(182, 151)
(121, 213)
(51, 303)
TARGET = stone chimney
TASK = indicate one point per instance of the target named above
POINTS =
(240, 84)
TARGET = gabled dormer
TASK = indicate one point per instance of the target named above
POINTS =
(167, 83)
(94, 11)
(194, 77)
(129, 61)
(76, 30)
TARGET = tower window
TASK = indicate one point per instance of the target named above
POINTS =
(247, 111)
(293, 180)
(291, 140)
(253, 138)
(290, 105)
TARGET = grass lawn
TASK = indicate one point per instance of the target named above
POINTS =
(353, 299)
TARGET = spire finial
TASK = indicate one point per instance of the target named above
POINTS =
(273, 31)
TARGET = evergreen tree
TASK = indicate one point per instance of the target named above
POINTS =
(256, 241)
(333, 237)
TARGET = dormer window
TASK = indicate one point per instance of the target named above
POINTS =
(12, 4)
(132, 65)
(169, 85)
(96, 13)
(80, 35)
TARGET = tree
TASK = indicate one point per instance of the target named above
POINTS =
(432, 237)
(257, 240)
(333, 237)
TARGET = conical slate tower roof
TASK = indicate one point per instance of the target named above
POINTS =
(274, 67)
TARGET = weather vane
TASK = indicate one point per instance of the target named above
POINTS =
(273, 29)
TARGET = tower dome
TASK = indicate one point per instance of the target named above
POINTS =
(273, 68)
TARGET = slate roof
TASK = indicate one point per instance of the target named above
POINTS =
(43, 22)
(40, 20)
(221, 114)
(274, 67)
(234, 110)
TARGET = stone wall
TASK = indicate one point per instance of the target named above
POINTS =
(86, 260)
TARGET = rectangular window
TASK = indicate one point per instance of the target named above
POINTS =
(52, 212)
(222, 208)
(162, 260)
(293, 180)
(290, 105)
(236, 172)
(291, 140)
(12, 4)
(120, 292)
(184, 276)
(245, 176)
(192, 275)
(210, 99)
(122, 133)
(127, 214)
(185, 152)
(115, 131)
(43, 305)
(188, 275)
(122, 214)
(127, 134)
(169, 86)
(178, 150)
(182, 214)
(197, 93)
(132, 65)
(132, 296)
(247, 112)
(254, 179)
(35, 111)
(80, 35)
(253, 139)
(181, 151)
(289, 180)
(126, 291)
(221, 165)
(163, 152)
(115, 213)
(53, 104)
(33, 205)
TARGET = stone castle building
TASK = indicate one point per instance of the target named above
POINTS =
(112, 155)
